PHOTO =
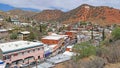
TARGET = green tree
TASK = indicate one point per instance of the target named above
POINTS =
(116, 33)
(103, 34)
(43, 28)
(84, 49)
(13, 36)
(8, 19)
(31, 36)
(50, 30)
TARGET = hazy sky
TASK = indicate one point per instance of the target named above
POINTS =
(64, 5)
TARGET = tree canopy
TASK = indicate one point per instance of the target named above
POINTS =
(84, 49)
(116, 33)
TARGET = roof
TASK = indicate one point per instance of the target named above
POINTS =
(72, 31)
(18, 45)
(3, 30)
(59, 58)
(53, 34)
(69, 53)
(52, 37)
(25, 32)
(44, 65)
(70, 46)
(52, 46)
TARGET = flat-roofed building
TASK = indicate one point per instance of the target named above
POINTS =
(23, 35)
(69, 48)
(3, 33)
(71, 34)
(52, 39)
(55, 42)
(21, 52)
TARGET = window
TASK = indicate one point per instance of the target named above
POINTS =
(33, 50)
(22, 52)
(15, 54)
(42, 48)
(28, 51)
(6, 57)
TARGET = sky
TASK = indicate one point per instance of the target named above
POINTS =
(64, 5)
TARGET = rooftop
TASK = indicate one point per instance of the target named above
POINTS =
(3, 30)
(54, 37)
(60, 58)
(70, 46)
(52, 46)
(18, 45)
(25, 32)
(45, 65)
(72, 31)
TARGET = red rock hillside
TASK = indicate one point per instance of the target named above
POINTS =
(48, 15)
(100, 15)
(96, 14)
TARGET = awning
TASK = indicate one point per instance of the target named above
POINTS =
(47, 54)
(1, 62)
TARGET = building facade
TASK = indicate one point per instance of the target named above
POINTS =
(22, 52)
(55, 42)
(23, 35)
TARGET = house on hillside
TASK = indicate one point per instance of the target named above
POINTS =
(3, 33)
(1, 18)
(15, 21)
(25, 24)
(23, 35)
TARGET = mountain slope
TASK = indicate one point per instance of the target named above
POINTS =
(100, 15)
(95, 14)
(22, 15)
(48, 15)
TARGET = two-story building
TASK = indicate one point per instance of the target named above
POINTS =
(21, 52)
(56, 42)
(3, 33)
(15, 21)
(72, 35)
(23, 35)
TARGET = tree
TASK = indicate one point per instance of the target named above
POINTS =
(92, 33)
(116, 33)
(31, 36)
(8, 19)
(13, 36)
(84, 49)
(50, 30)
(43, 29)
(103, 34)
